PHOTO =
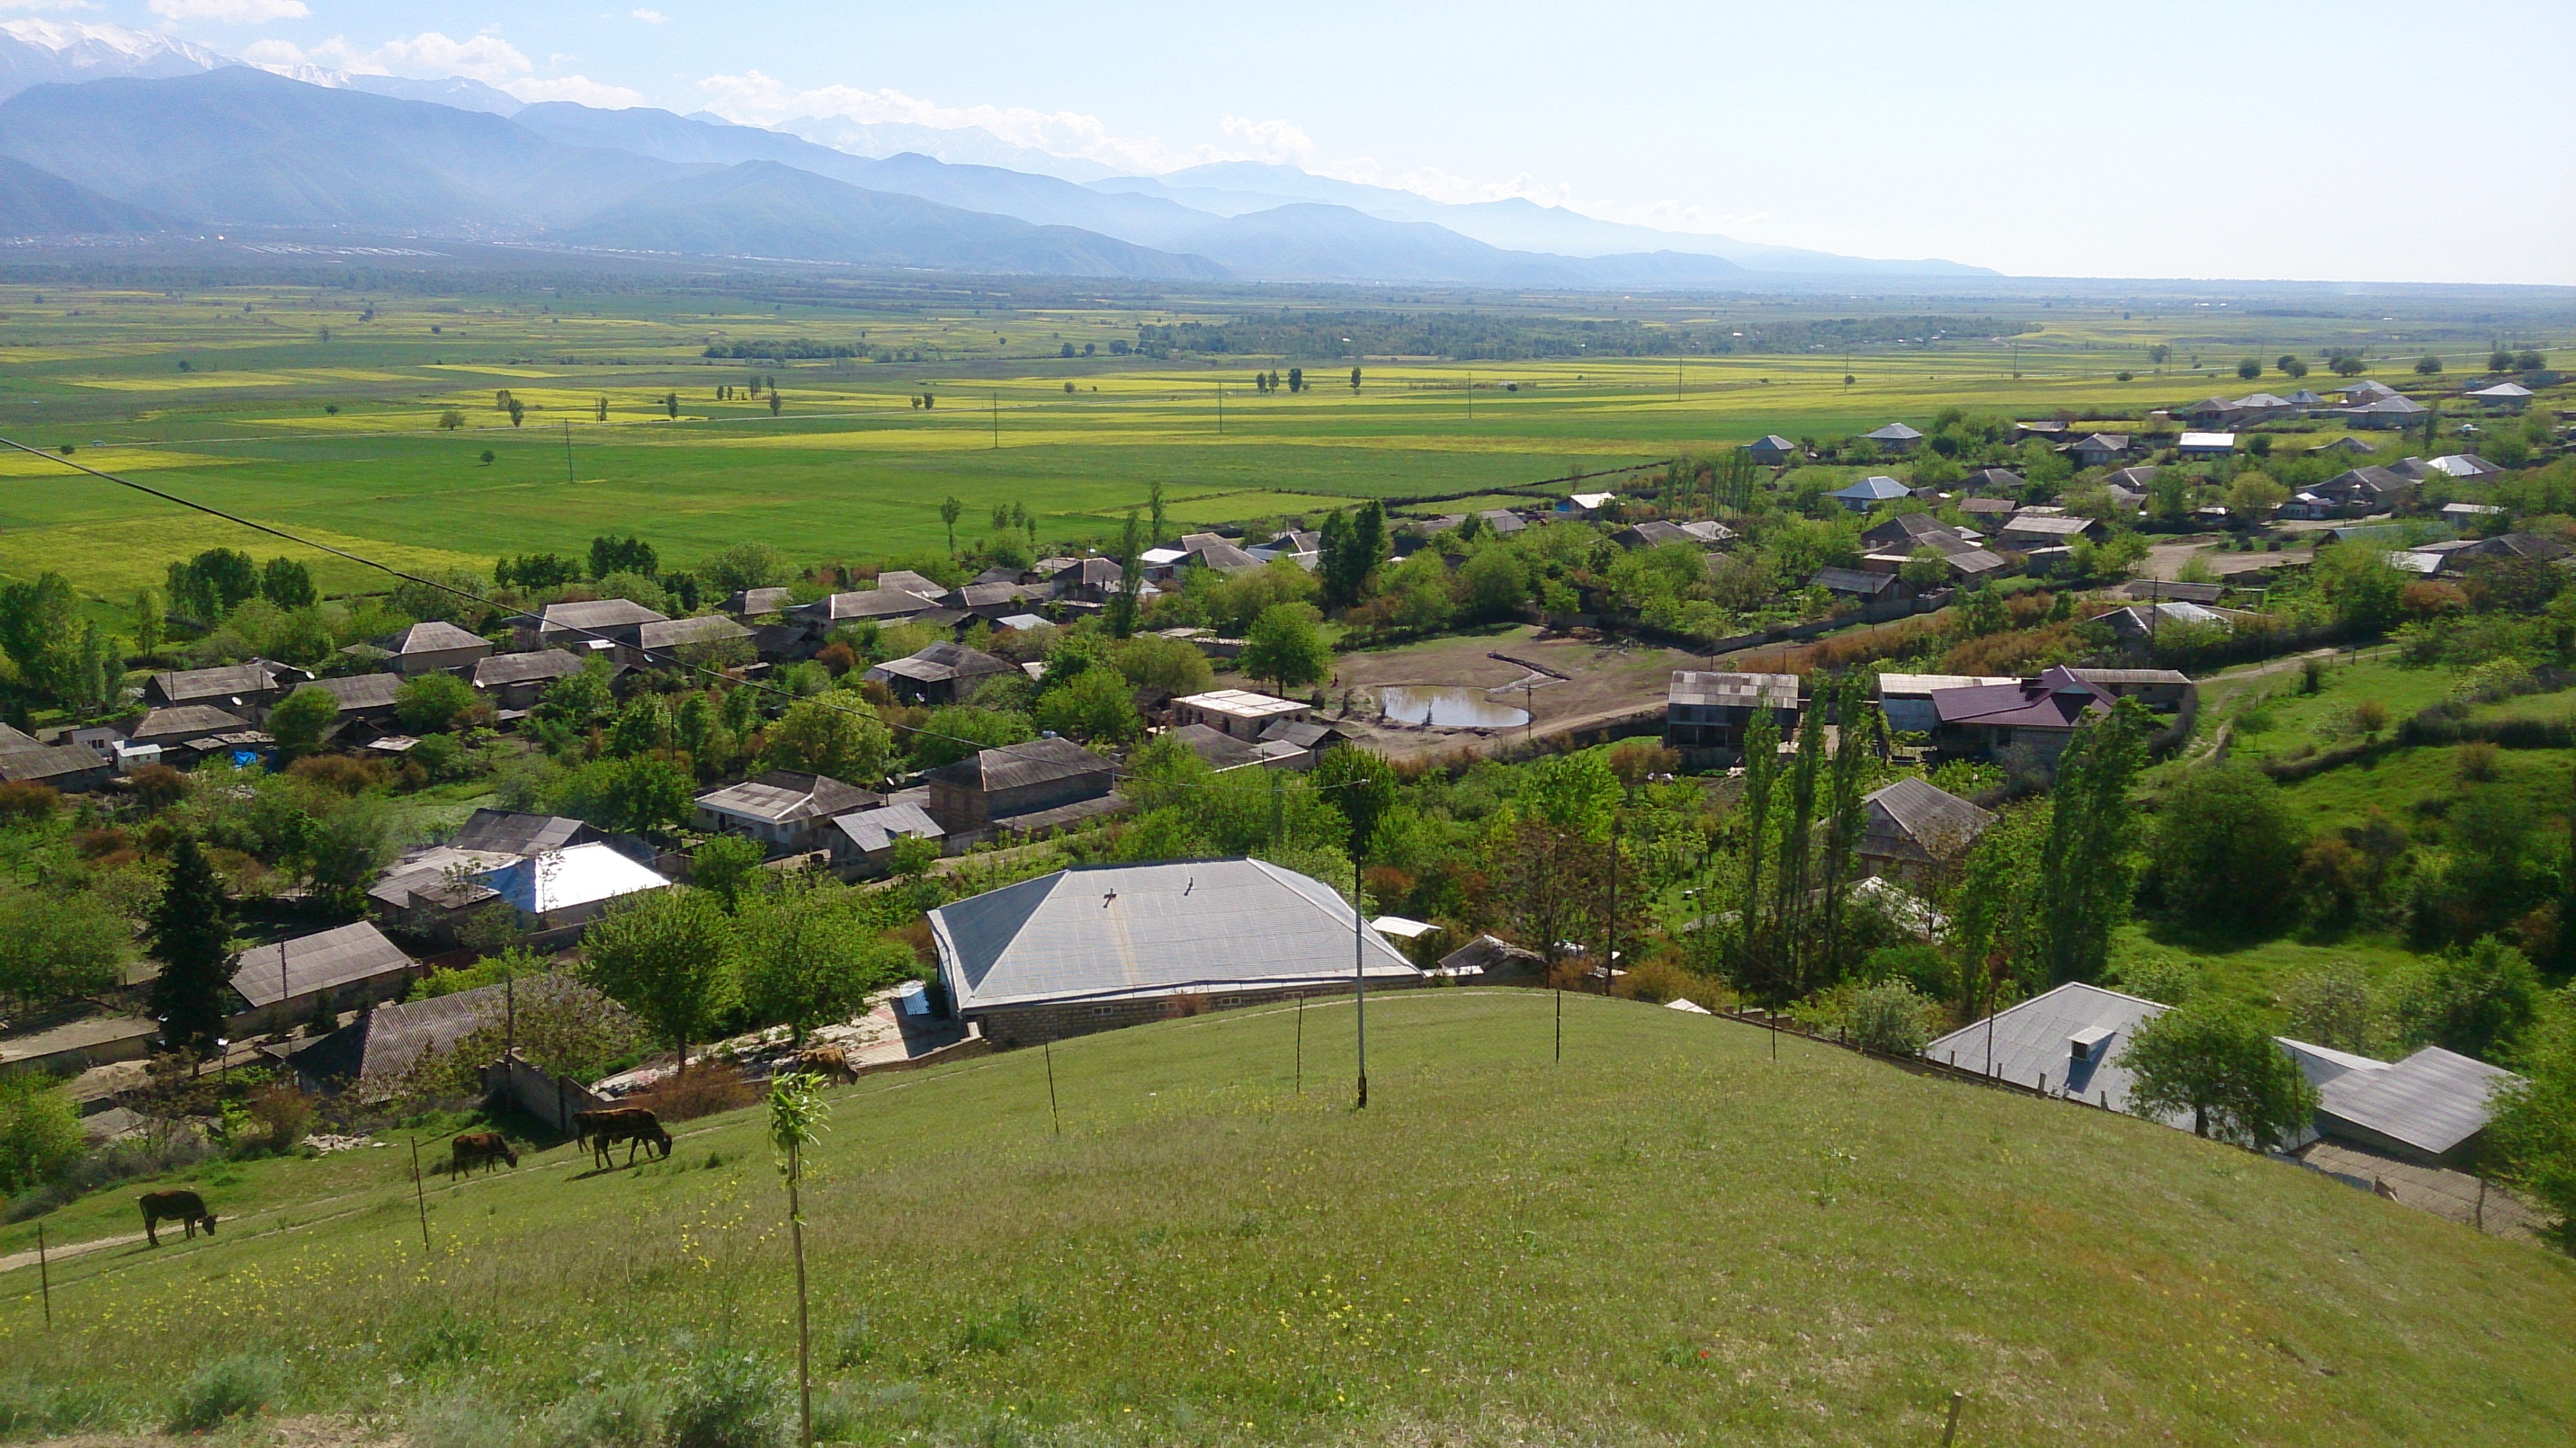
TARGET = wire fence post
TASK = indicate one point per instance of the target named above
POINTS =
(1950, 1430)
(1299, 1088)
(1559, 993)
(45, 1271)
(1048, 1047)
(420, 1198)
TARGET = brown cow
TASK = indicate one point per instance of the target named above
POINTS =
(829, 1062)
(478, 1148)
(600, 1130)
(175, 1206)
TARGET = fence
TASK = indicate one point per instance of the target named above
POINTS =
(551, 1099)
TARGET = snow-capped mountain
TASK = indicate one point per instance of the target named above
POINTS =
(33, 52)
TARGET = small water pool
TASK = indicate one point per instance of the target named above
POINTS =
(1449, 708)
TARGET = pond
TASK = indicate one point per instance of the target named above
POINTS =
(1449, 708)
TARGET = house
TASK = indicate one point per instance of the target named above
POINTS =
(434, 647)
(1987, 510)
(431, 890)
(2361, 491)
(997, 600)
(2038, 715)
(2467, 467)
(786, 810)
(349, 968)
(2138, 481)
(1309, 739)
(1870, 492)
(1097, 947)
(76, 1045)
(815, 621)
(1222, 752)
(1304, 546)
(2025, 531)
(1198, 550)
(1882, 595)
(943, 673)
(2366, 390)
(1091, 580)
(2097, 449)
(1896, 437)
(1908, 531)
(862, 842)
(1712, 711)
(2462, 515)
(1585, 505)
(673, 642)
(2346, 444)
(591, 627)
(70, 768)
(995, 788)
(172, 727)
(748, 603)
(1772, 450)
(2502, 397)
(517, 681)
(2388, 412)
(556, 893)
(1658, 532)
(2265, 406)
(2197, 446)
(245, 692)
(1994, 480)
(1906, 699)
(1912, 828)
(1239, 712)
(2165, 691)
(2048, 430)
(2464, 556)
(2211, 411)
(2431, 1108)
(504, 832)
(368, 699)
(366, 1057)
(2065, 1042)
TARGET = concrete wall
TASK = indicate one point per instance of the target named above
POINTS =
(1016, 1026)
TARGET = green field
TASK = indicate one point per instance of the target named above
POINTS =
(317, 410)
(1668, 1238)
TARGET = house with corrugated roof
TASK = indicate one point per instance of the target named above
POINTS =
(861, 843)
(433, 647)
(593, 626)
(1002, 788)
(1912, 828)
(517, 681)
(2038, 715)
(244, 691)
(1870, 492)
(1711, 710)
(1097, 947)
(1772, 450)
(787, 810)
(1896, 437)
(943, 673)
(280, 984)
(554, 894)
(71, 768)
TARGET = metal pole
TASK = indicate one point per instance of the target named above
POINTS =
(1359, 973)
(1300, 1087)
(420, 1197)
(1049, 1048)
(1559, 993)
(45, 1271)
(997, 419)
(568, 452)
(1610, 947)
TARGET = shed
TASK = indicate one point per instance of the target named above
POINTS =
(862, 842)
(2431, 1107)
(1097, 947)
(1713, 710)
(1912, 826)
(1242, 713)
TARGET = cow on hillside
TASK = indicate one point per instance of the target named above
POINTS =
(175, 1206)
(600, 1130)
(478, 1148)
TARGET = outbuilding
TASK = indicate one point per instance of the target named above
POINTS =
(291, 980)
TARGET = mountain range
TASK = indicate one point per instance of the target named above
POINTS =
(108, 131)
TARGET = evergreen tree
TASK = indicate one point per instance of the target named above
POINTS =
(191, 931)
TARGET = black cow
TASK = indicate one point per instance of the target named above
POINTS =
(175, 1206)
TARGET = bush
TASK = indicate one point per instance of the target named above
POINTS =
(1887, 1017)
(33, 1410)
(702, 1090)
(2226, 851)
(2160, 978)
(727, 1401)
(40, 1131)
(613, 1415)
(233, 1387)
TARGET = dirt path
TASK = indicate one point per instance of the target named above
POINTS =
(17, 1260)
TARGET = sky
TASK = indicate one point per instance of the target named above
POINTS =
(2351, 141)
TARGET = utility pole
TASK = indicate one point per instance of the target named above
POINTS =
(1610, 947)
(1471, 397)
(1359, 972)
(997, 420)
(1220, 409)
(568, 452)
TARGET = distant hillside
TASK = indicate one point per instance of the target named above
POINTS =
(35, 203)
(1307, 241)
(241, 145)
(761, 208)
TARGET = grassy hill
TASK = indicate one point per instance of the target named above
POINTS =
(1667, 1238)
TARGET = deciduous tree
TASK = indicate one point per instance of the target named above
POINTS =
(671, 957)
(2216, 1060)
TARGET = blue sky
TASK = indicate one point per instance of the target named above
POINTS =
(2344, 141)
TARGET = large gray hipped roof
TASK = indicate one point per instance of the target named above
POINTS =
(1109, 931)
(2032, 1042)
(267, 974)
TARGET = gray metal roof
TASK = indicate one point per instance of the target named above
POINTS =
(267, 974)
(940, 663)
(498, 669)
(875, 829)
(2432, 1101)
(503, 833)
(434, 637)
(785, 795)
(24, 757)
(599, 613)
(361, 691)
(1014, 765)
(1877, 488)
(1916, 819)
(2032, 1042)
(670, 633)
(216, 683)
(1102, 932)
(184, 721)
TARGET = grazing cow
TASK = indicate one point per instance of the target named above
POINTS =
(175, 1206)
(478, 1148)
(600, 1130)
(829, 1062)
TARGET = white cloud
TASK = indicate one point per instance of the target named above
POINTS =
(486, 57)
(48, 4)
(755, 99)
(1274, 141)
(273, 53)
(580, 89)
(650, 17)
(231, 12)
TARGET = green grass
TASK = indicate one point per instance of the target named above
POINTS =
(2255, 972)
(1668, 1238)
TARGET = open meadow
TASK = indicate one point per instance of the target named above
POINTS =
(1668, 1237)
(321, 409)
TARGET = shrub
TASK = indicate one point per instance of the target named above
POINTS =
(282, 1112)
(2160, 978)
(1887, 1017)
(727, 1401)
(28, 800)
(233, 1387)
(613, 1415)
(40, 1131)
(702, 1090)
